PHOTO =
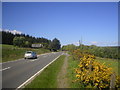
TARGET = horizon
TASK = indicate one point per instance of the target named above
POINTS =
(18, 32)
(95, 23)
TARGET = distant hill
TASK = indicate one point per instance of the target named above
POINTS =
(7, 38)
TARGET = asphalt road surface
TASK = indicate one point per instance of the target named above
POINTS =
(17, 72)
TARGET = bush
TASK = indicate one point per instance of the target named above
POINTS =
(92, 74)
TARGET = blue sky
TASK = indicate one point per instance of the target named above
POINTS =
(94, 22)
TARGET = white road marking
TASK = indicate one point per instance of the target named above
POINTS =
(5, 68)
(31, 78)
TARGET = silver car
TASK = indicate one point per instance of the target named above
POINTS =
(30, 54)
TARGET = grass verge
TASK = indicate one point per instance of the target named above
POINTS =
(72, 64)
(10, 52)
(48, 78)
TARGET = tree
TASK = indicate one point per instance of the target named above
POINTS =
(27, 44)
(19, 41)
(55, 44)
(7, 37)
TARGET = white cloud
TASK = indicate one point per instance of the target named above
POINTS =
(115, 43)
(106, 43)
(76, 43)
(16, 32)
(12, 31)
(94, 42)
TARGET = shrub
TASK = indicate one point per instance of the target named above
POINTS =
(92, 74)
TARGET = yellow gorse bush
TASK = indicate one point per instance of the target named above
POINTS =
(91, 73)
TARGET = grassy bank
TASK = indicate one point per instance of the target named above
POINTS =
(10, 52)
(48, 78)
(113, 63)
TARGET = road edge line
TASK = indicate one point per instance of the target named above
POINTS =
(31, 78)
(5, 69)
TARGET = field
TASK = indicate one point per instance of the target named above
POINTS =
(10, 52)
(48, 78)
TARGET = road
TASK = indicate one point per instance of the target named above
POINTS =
(17, 72)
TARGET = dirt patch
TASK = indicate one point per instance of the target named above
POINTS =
(62, 76)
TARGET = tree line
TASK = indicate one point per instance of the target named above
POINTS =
(104, 52)
(23, 40)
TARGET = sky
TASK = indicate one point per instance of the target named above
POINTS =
(91, 22)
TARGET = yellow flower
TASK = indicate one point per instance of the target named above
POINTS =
(77, 75)
(96, 84)
(87, 64)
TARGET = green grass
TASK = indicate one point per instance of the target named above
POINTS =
(72, 64)
(48, 78)
(10, 52)
(113, 63)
